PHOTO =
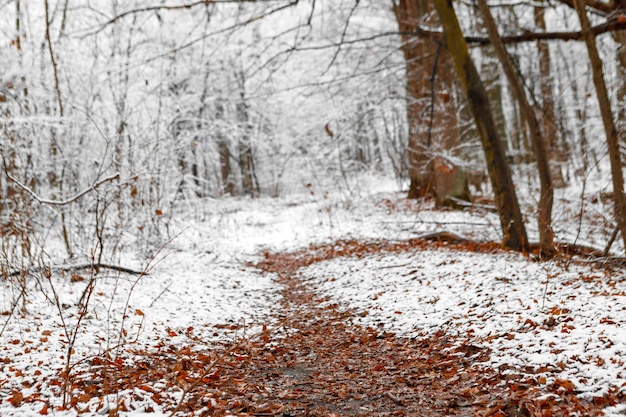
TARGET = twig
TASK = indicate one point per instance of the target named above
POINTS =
(160, 294)
(393, 266)
(151, 264)
(444, 236)
(610, 242)
(151, 9)
(394, 399)
(13, 307)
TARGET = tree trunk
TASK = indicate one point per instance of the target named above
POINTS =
(246, 162)
(548, 116)
(228, 186)
(491, 76)
(620, 38)
(610, 129)
(546, 199)
(361, 151)
(514, 232)
(431, 113)
(195, 171)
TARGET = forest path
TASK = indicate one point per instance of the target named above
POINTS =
(312, 359)
(317, 362)
(321, 364)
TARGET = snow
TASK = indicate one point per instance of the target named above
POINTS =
(534, 317)
(529, 314)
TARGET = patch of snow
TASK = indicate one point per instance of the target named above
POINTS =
(530, 314)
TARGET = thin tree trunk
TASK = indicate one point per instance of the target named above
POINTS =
(53, 61)
(225, 171)
(548, 116)
(610, 129)
(195, 171)
(246, 162)
(228, 186)
(54, 147)
(362, 154)
(546, 199)
(620, 38)
(514, 232)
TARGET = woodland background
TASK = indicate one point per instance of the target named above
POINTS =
(116, 113)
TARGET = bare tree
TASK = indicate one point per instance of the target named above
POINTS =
(514, 232)
(546, 199)
(610, 128)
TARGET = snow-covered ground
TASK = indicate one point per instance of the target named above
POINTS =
(531, 314)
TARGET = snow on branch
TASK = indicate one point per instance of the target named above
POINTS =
(62, 202)
(614, 24)
(71, 268)
(185, 6)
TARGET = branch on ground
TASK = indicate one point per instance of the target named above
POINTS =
(71, 268)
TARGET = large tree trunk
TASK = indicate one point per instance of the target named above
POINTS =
(610, 129)
(514, 232)
(431, 113)
(546, 199)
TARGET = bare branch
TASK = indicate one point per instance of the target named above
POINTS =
(70, 268)
(152, 9)
(343, 36)
(615, 24)
(63, 202)
(598, 5)
(185, 6)
(222, 30)
(612, 25)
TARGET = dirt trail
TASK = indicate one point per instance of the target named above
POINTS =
(317, 362)
(326, 365)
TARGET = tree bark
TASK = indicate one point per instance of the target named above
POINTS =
(514, 232)
(620, 38)
(431, 113)
(490, 71)
(610, 129)
(546, 198)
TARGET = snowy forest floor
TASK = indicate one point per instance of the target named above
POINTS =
(321, 307)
